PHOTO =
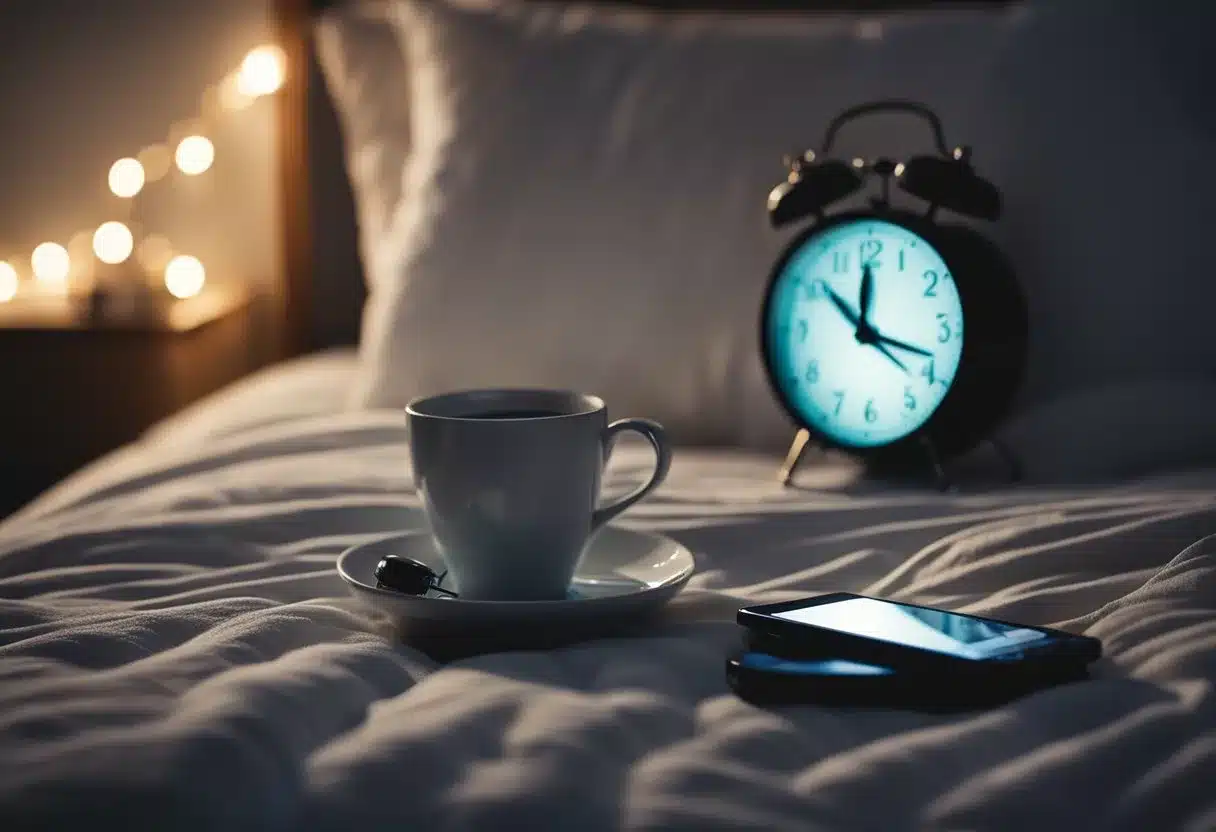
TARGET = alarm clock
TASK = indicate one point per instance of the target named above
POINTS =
(887, 333)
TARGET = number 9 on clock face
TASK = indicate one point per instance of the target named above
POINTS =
(864, 331)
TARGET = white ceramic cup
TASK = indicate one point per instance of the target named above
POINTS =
(510, 482)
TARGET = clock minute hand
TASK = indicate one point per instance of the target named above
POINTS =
(882, 349)
(903, 345)
(843, 306)
(866, 297)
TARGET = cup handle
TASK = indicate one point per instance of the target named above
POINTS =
(654, 434)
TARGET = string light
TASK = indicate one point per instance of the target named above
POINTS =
(261, 72)
(8, 282)
(126, 178)
(185, 276)
(51, 264)
(194, 155)
(113, 242)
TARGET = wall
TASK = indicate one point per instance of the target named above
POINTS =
(85, 82)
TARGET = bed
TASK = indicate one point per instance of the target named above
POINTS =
(177, 650)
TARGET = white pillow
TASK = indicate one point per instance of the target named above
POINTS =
(584, 200)
(582, 206)
(365, 72)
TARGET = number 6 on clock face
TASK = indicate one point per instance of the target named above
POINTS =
(864, 331)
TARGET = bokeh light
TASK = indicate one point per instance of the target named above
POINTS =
(194, 155)
(126, 178)
(8, 282)
(184, 276)
(113, 242)
(261, 72)
(51, 265)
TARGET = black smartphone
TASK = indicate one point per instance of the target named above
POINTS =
(765, 678)
(769, 679)
(912, 639)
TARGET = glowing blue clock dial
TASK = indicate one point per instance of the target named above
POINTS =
(865, 332)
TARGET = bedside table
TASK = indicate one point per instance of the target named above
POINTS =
(73, 389)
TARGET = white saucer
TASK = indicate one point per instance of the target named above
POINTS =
(622, 574)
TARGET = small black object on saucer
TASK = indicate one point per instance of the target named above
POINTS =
(412, 577)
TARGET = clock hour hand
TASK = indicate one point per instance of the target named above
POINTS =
(903, 345)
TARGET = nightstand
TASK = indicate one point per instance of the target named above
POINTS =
(73, 388)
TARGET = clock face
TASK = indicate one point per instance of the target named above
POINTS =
(864, 332)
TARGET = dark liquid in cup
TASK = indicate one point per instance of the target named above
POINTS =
(515, 414)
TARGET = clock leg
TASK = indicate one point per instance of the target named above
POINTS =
(935, 462)
(797, 448)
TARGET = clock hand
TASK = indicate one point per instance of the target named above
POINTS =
(903, 345)
(865, 333)
(882, 349)
(866, 298)
(843, 306)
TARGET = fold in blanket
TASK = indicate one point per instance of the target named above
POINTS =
(177, 652)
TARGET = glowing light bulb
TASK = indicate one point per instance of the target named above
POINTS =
(126, 178)
(194, 155)
(261, 72)
(8, 282)
(51, 264)
(184, 276)
(112, 242)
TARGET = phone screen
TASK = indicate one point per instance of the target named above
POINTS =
(937, 630)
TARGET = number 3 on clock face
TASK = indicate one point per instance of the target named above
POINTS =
(865, 332)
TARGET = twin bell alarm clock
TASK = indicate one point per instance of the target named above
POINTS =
(889, 333)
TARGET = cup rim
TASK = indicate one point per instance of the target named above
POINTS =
(418, 407)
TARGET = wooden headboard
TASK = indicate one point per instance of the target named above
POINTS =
(318, 245)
